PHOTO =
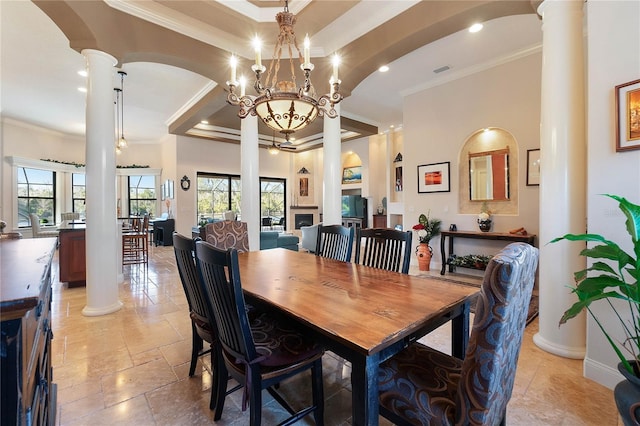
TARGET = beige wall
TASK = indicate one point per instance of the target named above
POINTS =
(613, 59)
(438, 121)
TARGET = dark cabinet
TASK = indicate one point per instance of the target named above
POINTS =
(379, 220)
(72, 256)
(163, 232)
(28, 396)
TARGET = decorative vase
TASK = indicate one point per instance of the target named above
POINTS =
(627, 395)
(424, 252)
(485, 225)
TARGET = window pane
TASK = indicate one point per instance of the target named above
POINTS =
(142, 195)
(272, 199)
(36, 194)
(217, 194)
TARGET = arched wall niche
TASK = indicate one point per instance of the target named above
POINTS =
(486, 140)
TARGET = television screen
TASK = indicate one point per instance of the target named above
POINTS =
(352, 206)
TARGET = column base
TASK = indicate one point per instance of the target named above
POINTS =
(560, 350)
(95, 312)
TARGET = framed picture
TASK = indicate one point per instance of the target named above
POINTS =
(434, 177)
(163, 192)
(304, 187)
(628, 116)
(352, 174)
(533, 167)
(168, 187)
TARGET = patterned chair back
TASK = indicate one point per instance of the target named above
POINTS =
(489, 367)
(228, 234)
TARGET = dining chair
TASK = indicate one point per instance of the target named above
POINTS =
(68, 216)
(421, 385)
(37, 230)
(202, 323)
(228, 234)
(384, 249)
(335, 242)
(261, 352)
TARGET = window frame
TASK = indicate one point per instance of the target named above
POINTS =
(29, 198)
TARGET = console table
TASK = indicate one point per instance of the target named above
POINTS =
(529, 238)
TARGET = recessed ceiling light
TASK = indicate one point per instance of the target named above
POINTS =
(392, 126)
(204, 122)
(383, 68)
(475, 28)
(82, 73)
(82, 89)
(292, 139)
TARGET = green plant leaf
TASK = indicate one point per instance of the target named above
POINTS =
(582, 304)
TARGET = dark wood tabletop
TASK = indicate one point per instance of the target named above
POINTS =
(363, 314)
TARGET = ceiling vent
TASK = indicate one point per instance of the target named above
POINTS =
(441, 69)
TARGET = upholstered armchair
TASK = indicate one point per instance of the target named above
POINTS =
(228, 234)
(37, 231)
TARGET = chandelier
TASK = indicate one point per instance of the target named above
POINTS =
(281, 105)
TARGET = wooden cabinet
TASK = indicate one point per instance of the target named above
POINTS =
(72, 255)
(354, 222)
(28, 397)
(379, 220)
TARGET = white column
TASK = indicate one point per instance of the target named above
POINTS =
(101, 233)
(562, 174)
(332, 171)
(250, 175)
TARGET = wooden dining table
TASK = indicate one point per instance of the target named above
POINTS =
(362, 314)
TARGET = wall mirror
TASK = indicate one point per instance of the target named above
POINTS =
(489, 175)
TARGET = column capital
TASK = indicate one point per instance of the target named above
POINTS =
(94, 52)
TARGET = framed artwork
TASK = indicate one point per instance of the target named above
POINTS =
(304, 187)
(533, 167)
(434, 177)
(352, 174)
(628, 116)
(168, 188)
(163, 192)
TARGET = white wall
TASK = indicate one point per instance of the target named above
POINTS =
(437, 121)
(613, 40)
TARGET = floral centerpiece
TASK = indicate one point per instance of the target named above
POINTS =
(484, 218)
(426, 229)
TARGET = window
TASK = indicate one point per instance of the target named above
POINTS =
(217, 194)
(142, 195)
(78, 193)
(273, 201)
(36, 194)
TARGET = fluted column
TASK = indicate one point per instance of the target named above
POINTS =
(332, 171)
(250, 175)
(562, 173)
(101, 232)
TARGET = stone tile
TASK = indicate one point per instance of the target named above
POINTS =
(129, 383)
(133, 412)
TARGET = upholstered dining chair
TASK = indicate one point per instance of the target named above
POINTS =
(37, 230)
(261, 352)
(228, 234)
(335, 242)
(388, 249)
(423, 386)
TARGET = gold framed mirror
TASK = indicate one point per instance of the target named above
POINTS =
(489, 175)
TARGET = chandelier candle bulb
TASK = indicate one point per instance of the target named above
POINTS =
(307, 45)
(257, 45)
(336, 63)
(243, 84)
(234, 63)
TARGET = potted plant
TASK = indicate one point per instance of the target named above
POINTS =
(426, 229)
(613, 282)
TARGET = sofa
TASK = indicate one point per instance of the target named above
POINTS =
(274, 239)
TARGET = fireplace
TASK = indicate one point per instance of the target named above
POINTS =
(303, 219)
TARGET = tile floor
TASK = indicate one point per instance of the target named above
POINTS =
(131, 367)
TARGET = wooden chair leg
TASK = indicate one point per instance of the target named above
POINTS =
(220, 380)
(196, 347)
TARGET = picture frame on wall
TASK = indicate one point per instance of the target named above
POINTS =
(533, 167)
(435, 177)
(352, 174)
(628, 116)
